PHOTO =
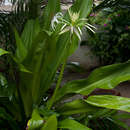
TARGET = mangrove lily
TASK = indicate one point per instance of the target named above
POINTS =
(73, 25)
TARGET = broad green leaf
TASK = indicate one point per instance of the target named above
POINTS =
(54, 59)
(21, 51)
(106, 77)
(50, 124)
(72, 125)
(3, 52)
(23, 69)
(32, 63)
(31, 30)
(36, 121)
(62, 48)
(111, 102)
(21, 66)
(52, 8)
(83, 6)
(76, 107)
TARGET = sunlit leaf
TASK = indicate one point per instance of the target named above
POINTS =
(23, 69)
(36, 121)
(50, 124)
(106, 77)
(111, 102)
(3, 52)
(72, 125)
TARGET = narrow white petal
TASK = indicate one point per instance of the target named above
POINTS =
(83, 19)
(59, 14)
(53, 25)
(80, 31)
(77, 33)
(89, 28)
(63, 20)
(72, 29)
(63, 27)
(65, 30)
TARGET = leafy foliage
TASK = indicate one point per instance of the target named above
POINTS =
(111, 42)
(111, 102)
(5, 119)
(103, 77)
(40, 51)
(73, 125)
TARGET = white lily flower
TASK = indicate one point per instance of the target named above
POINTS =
(56, 20)
(77, 33)
(74, 25)
(64, 30)
(80, 31)
(73, 16)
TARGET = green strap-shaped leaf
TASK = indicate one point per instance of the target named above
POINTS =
(72, 125)
(106, 77)
(31, 30)
(3, 52)
(52, 8)
(22, 68)
(36, 121)
(21, 51)
(111, 102)
(84, 6)
(50, 124)
(76, 107)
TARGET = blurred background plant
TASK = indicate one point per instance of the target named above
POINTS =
(111, 41)
(20, 11)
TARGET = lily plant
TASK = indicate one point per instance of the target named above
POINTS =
(41, 49)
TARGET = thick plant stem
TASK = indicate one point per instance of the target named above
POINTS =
(52, 100)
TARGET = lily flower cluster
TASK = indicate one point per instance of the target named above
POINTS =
(73, 25)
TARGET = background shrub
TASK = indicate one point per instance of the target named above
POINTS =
(111, 43)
